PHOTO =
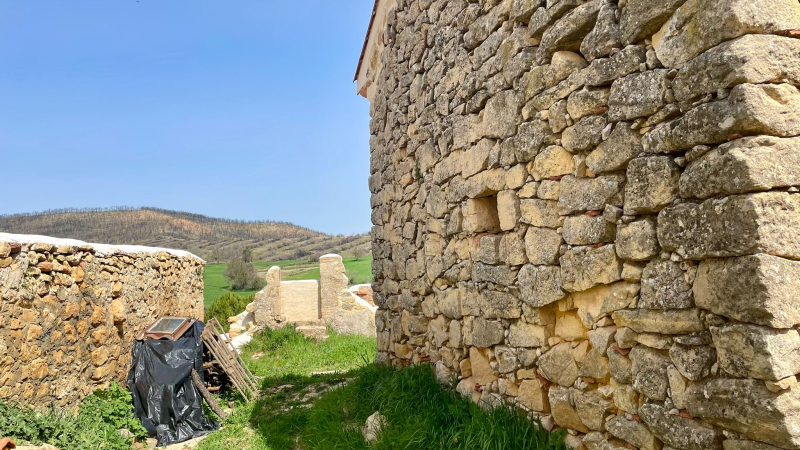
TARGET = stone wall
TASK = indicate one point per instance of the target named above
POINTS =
(312, 304)
(591, 208)
(69, 312)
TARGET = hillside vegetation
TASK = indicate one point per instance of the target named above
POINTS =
(215, 240)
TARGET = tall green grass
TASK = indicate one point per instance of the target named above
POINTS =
(284, 352)
(419, 414)
(300, 411)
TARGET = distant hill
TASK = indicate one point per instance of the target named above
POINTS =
(215, 240)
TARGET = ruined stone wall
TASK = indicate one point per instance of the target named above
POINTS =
(69, 312)
(310, 303)
(590, 208)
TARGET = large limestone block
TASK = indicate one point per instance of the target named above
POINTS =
(541, 213)
(590, 194)
(586, 230)
(694, 363)
(553, 161)
(568, 32)
(503, 275)
(604, 71)
(760, 289)
(638, 241)
(649, 372)
(619, 366)
(750, 164)
(680, 432)
(533, 395)
(592, 408)
(753, 58)
(523, 334)
(665, 286)
(585, 267)
(585, 134)
(540, 285)
(508, 209)
(701, 24)
(558, 365)
(638, 95)
(752, 351)
(488, 304)
(501, 115)
(622, 145)
(746, 406)
(641, 19)
(542, 245)
(482, 372)
(605, 37)
(486, 333)
(671, 321)
(587, 101)
(771, 109)
(633, 432)
(476, 158)
(562, 407)
(733, 226)
(652, 184)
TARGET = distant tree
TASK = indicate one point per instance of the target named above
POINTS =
(242, 275)
(247, 255)
(358, 252)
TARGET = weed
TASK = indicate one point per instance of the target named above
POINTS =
(96, 425)
(228, 305)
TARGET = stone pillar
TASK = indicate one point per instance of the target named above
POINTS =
(268, 301)
(332, 281)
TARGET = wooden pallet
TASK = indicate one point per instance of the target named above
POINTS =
(230, 361)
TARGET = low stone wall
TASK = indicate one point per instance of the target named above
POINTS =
(70, 311)
(591, 209)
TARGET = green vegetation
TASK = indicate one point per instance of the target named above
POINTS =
(242, 275)
(95, 426)
(216, 285)
(228, 305)
(358, 270)
(279, 353)
(327, 411)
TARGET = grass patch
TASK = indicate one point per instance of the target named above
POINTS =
(304, 412)
(279, 353)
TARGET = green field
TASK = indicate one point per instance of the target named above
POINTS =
(216, 285)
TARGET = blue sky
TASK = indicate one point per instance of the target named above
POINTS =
(241, 109)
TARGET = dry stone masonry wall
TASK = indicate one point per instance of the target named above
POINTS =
(591, 208)
(69, 312)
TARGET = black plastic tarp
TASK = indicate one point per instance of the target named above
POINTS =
(164, 397)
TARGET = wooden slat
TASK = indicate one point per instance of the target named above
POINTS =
(230, 361)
